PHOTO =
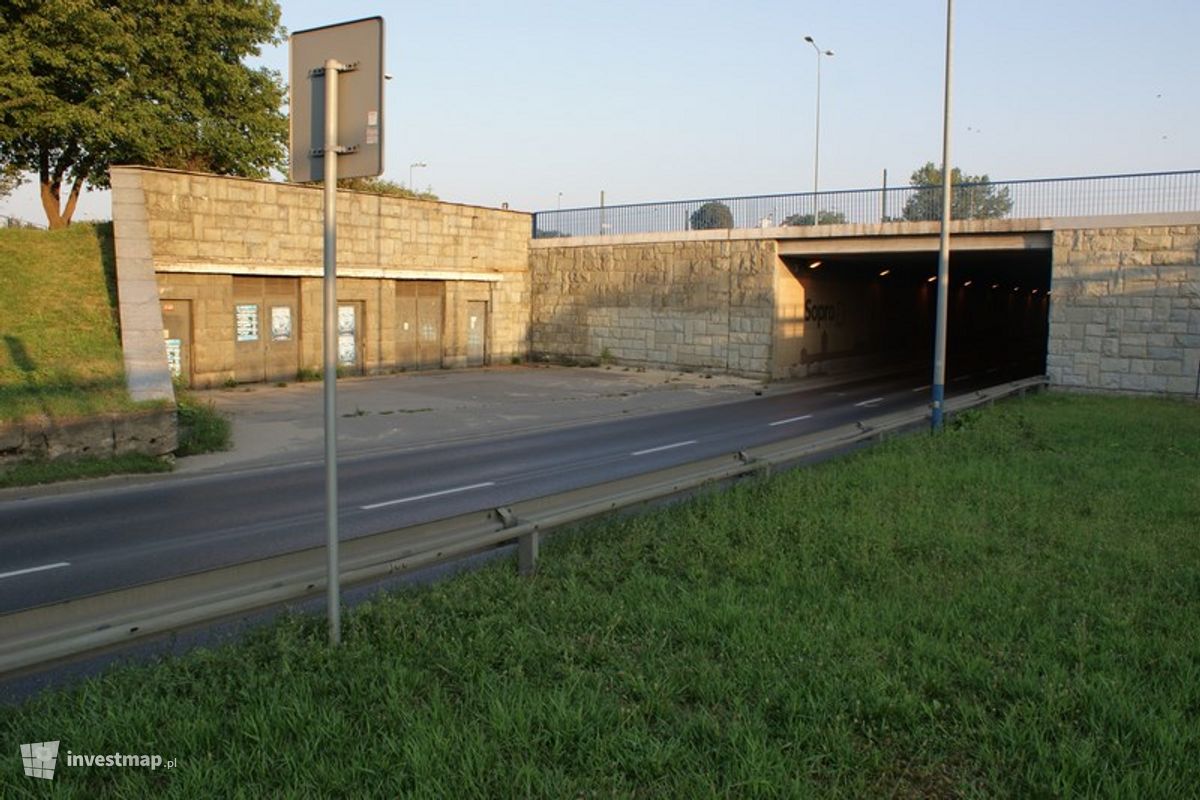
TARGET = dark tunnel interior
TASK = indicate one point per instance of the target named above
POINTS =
(998, 308)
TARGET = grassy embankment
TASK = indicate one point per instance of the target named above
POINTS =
(60, 346)
(60, 354)
(1007, 610)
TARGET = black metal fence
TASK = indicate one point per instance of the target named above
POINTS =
(1145, 193)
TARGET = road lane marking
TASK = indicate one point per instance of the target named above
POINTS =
(456, 490)
(664, 447)
(924, 388)
(868, 403)
(42, 568)
(790, 420)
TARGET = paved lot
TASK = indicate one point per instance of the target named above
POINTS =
(285, 422)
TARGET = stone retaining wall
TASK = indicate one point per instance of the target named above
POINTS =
(152, 433)
(693, 304)
(1125, 309)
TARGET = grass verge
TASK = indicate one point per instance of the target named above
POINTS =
(1006, 610)
(31, 473)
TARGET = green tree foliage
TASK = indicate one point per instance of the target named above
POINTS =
(384, 186)
(10, 179)
(971, 196)
(89, 83)
(823, 218)
(711, 215)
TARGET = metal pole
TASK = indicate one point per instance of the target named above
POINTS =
(817, 146)
(331, 488)
(883, 211)
(943, 282)
(601, 212)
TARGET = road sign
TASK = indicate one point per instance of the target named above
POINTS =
(358, 48)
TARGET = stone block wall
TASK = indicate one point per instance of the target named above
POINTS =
(1125, 309)
(700, 304)
(193, 232)
(152, 432)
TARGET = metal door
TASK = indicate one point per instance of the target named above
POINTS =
(407, 325)
(248, 329)
(177, 331)
(281, 327)
(430, 299)
(350, 336)
(476, 333)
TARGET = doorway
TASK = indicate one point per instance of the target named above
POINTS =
(177, 333)
(476, 333)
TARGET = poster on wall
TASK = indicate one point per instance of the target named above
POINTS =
(175, 357)
(347, 338)
(246, 317)
(281, 323)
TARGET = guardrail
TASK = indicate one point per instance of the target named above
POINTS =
(1141, 193)
(47, 634)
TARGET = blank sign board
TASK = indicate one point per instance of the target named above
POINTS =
(358, 46)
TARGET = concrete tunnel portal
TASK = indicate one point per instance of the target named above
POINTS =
(851, 311)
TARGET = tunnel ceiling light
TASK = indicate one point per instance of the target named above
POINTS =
(1035, 291)
(968, 283)
(995, 286)
(1016, 288)
(814, 265)
(885, 273)
(931, 279)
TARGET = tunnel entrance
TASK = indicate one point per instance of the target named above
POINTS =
(844, 312)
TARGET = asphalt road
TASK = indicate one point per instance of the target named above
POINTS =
(55, 548)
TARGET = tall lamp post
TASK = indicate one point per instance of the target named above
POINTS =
(943, 287)
(817, 148)
(411, 167)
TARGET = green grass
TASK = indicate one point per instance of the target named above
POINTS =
(31, 473)
(1006, 610)
(60, 350)
(202, 428)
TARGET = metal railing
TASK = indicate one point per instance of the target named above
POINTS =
(16, 222)
(1145, 193)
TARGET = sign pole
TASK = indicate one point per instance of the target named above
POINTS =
(333, 587)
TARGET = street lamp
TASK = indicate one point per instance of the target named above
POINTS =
(817, 149)
(411, 167)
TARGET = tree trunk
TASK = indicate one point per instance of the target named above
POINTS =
(50, 204)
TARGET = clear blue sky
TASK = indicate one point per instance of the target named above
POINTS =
(518, 100)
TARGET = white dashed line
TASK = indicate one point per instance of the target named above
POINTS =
(664, 447)
(924, 388)
(42, 568)
(789, 420)
(868, 403)
(427, 496)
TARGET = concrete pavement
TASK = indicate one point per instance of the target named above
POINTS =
(285, 423)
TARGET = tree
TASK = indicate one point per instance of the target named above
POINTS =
(384, 186)
(88, 84)
(823, 218)
(10, 179)
(971, 196)
(711, 215)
